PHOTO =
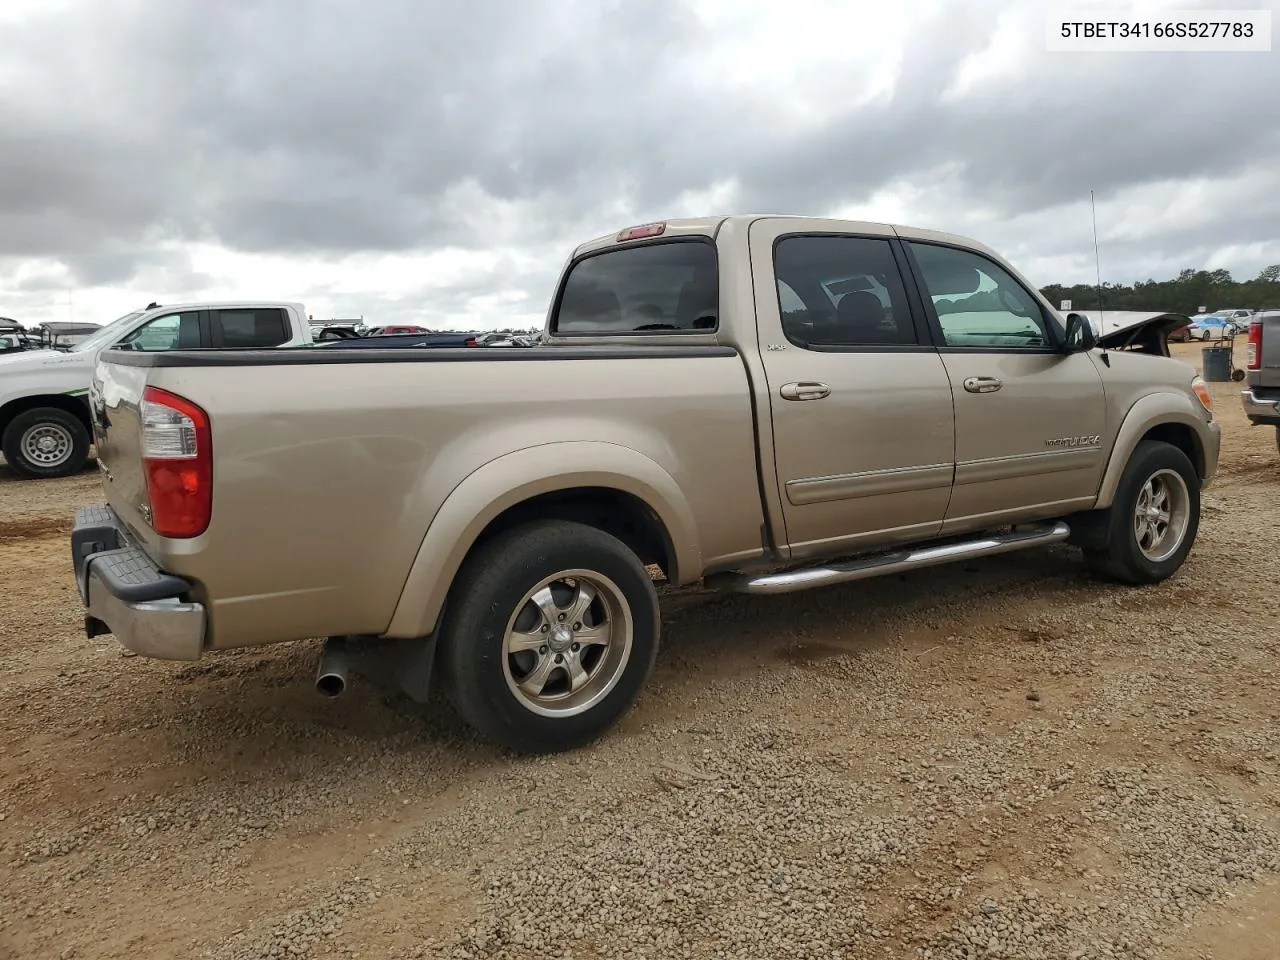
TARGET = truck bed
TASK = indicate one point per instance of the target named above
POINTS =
(331, 464)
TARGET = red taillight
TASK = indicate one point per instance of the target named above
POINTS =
(1253, 355)
(469, 342)
(644, 230)
(177, 453)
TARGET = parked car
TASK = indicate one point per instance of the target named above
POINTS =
(1209, 326)
(44, 414)
(1261, 396)
(401, 341)
(503, 511)
(1238, 316)
(395, 328)
(13, 336)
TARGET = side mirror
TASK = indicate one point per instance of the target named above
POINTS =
(1080, 335)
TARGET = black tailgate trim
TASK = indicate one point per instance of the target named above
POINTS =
(99, 541)
(133, 577)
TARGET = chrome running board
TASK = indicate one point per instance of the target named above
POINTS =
(878, 565)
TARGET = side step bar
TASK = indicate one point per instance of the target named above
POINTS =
(864, 568)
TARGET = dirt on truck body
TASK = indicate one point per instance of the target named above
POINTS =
(755, 404)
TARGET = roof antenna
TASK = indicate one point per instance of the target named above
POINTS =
(1097, 259)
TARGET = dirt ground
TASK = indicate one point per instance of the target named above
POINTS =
(1003, 759)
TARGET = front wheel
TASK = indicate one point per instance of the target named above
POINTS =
(46, 442)
(551, 633)
(1151, 525)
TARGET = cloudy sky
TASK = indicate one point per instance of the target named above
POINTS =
(424, 161)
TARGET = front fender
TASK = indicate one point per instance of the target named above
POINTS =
(1153, 410)
(515, 477)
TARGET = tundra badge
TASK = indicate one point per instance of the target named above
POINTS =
(1074, 442)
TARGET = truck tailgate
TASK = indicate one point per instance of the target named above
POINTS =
(1262, 366)
(115, 398)
(1264, 349)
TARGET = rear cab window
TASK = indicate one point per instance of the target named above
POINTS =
(666, 286)
(249, 327)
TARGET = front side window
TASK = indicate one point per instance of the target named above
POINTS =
(173, 331)
(661, 286)
(841, 291)
(107, 332)
(978, 303)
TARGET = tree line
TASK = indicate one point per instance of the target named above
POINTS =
(1186, 293)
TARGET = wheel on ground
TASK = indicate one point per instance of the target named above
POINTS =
(550, 633)
(1152, 523)
(1278, 439)
(46, 442)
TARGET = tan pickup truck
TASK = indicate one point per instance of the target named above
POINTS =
(761, 404)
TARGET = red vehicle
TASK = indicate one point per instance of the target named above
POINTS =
(402, 328)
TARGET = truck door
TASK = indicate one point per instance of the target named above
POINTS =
(1030, 419)
(861, 406)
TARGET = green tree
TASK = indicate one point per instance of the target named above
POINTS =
(1185, 293)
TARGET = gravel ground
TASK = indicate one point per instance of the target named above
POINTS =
(1003, 759)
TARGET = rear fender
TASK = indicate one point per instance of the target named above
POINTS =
(519, 476)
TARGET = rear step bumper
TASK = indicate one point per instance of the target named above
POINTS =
(881, 564)
(125, 593)
(1261, 410)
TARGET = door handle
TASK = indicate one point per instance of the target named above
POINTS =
(982, 384)
(804, 390)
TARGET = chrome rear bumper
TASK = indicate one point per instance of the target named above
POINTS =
(127, 595)
(1260, 409)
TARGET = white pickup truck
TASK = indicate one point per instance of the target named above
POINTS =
(44, 415)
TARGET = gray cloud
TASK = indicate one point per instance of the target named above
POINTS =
(327, 127)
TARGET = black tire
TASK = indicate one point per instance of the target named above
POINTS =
(480, 676)
(1120, 556)
(1278, 439)
(63, 427)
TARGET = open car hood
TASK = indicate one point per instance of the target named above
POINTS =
(1135, 330)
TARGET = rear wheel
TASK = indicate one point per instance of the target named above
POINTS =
(1150, 527)
(550, 636)
(46, 442)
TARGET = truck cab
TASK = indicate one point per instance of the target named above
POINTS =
(44, 416)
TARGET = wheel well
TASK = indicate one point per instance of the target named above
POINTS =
(61, 401)
(623, 515)
(1184, 438)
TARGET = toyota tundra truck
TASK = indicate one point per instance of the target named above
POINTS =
(1261, 396)
(756, 404)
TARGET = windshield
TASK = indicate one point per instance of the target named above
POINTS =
(95, 340)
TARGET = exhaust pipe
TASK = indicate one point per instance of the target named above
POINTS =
(331, 676)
